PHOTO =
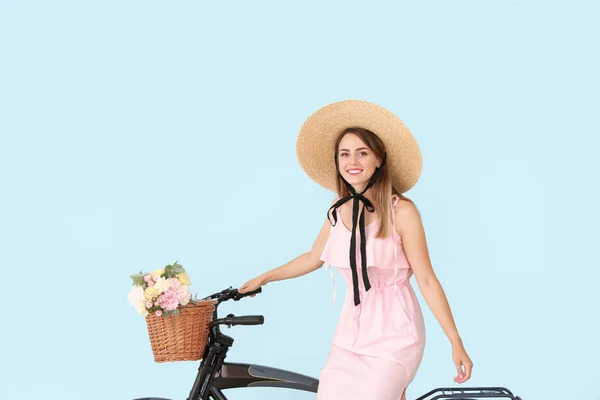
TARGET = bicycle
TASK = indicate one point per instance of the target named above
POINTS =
(215, 375)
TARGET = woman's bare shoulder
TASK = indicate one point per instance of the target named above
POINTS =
(404, 204)
(407, 216)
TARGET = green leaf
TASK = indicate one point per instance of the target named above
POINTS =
(177, 268)
(167, 313)
(172, 270)
(138, 279)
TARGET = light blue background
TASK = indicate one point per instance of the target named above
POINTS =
(137, 133)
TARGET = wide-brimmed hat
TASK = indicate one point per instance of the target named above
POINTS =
(315, 146)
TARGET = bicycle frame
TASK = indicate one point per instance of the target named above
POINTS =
(237, 375)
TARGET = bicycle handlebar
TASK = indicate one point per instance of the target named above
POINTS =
(242, 295)
(232, 320)
(230, 294)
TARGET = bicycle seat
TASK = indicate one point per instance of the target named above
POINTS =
(151, 398)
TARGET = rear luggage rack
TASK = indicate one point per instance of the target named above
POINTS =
(474, 393)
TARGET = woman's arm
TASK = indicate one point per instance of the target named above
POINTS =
(410, 228)
(301, 265)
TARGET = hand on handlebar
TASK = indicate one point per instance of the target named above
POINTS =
(251, 285)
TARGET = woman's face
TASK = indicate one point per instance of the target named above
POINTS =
(357, 162)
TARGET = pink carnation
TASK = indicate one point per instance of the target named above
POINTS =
(158, 313)
(169, 300)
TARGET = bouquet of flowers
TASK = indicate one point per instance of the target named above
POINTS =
(161, 291)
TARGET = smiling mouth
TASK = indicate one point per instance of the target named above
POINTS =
(354, 172)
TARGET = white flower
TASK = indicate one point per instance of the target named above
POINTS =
(184, 294)
(137, 299)
(142, 310)
(162, 284)
(136, 295)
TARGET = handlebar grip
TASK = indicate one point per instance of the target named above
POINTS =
(239, 295)
(248, 320)
(259, 290)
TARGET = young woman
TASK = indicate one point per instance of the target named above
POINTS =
(369, 158)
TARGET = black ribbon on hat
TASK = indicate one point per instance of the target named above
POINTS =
(361, 225)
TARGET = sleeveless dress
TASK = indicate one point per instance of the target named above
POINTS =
(378, 344)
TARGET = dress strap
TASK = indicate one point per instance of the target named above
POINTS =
(327, 266)
(395, 200)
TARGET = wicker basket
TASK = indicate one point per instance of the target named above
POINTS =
(181, 337)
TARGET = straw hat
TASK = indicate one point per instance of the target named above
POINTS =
(315, 146)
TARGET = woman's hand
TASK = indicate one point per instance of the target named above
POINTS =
(463, 363)
(251, 285)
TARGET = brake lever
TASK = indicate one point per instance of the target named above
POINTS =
(229, 316)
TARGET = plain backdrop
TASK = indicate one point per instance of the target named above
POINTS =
(138, 133)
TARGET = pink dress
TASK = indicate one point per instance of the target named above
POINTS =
(378, 344)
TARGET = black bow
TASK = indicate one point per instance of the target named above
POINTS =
(363, 242)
